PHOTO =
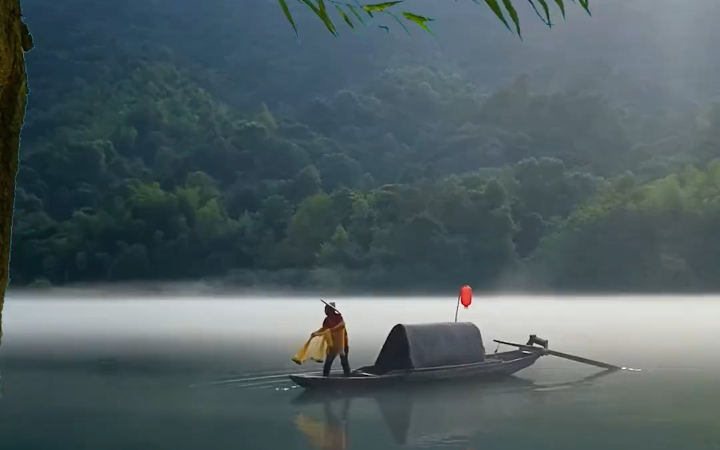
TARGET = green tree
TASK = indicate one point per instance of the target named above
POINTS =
(313, 224)
(15, 40)
(340, 251)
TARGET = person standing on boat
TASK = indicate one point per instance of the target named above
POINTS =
(335, 323)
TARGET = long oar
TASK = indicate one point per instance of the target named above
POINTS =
(579, 359)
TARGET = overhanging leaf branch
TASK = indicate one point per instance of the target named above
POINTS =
(498, 7)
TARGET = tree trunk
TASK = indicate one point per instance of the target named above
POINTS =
(14, 41)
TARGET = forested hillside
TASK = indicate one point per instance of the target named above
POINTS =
(183, 140)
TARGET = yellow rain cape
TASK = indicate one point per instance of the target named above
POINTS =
(323, 344)
(314, 349)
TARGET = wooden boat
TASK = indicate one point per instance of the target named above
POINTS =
(430, 352)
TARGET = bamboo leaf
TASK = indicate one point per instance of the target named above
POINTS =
(345, 17)
(513, 15)
(586, 5)
(379, 7)
(312, 6)
(326, 17)
(419, 20)
(397, 19)
(497, 7)
(537, 12)
(546, 8)
(354, 11)
(288, 16)
(493, 4)
(322, 14)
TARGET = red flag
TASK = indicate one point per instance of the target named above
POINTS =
(466, 296)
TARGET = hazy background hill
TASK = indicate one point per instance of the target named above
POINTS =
(180, 139)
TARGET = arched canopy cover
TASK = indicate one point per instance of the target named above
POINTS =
(423, 346)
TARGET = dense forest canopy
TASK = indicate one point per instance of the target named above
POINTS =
(170, 140)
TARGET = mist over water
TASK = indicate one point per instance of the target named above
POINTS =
(197, 372)
(654, 329)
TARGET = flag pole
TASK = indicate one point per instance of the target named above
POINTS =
(457, 307)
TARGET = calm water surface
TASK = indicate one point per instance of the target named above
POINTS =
(182, 373)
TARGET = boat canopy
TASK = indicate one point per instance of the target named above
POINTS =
(429, 345)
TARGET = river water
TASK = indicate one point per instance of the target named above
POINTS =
(93, 371)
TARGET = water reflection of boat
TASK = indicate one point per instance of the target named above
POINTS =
(427, 417)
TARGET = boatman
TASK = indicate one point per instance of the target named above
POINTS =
(336, 324)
